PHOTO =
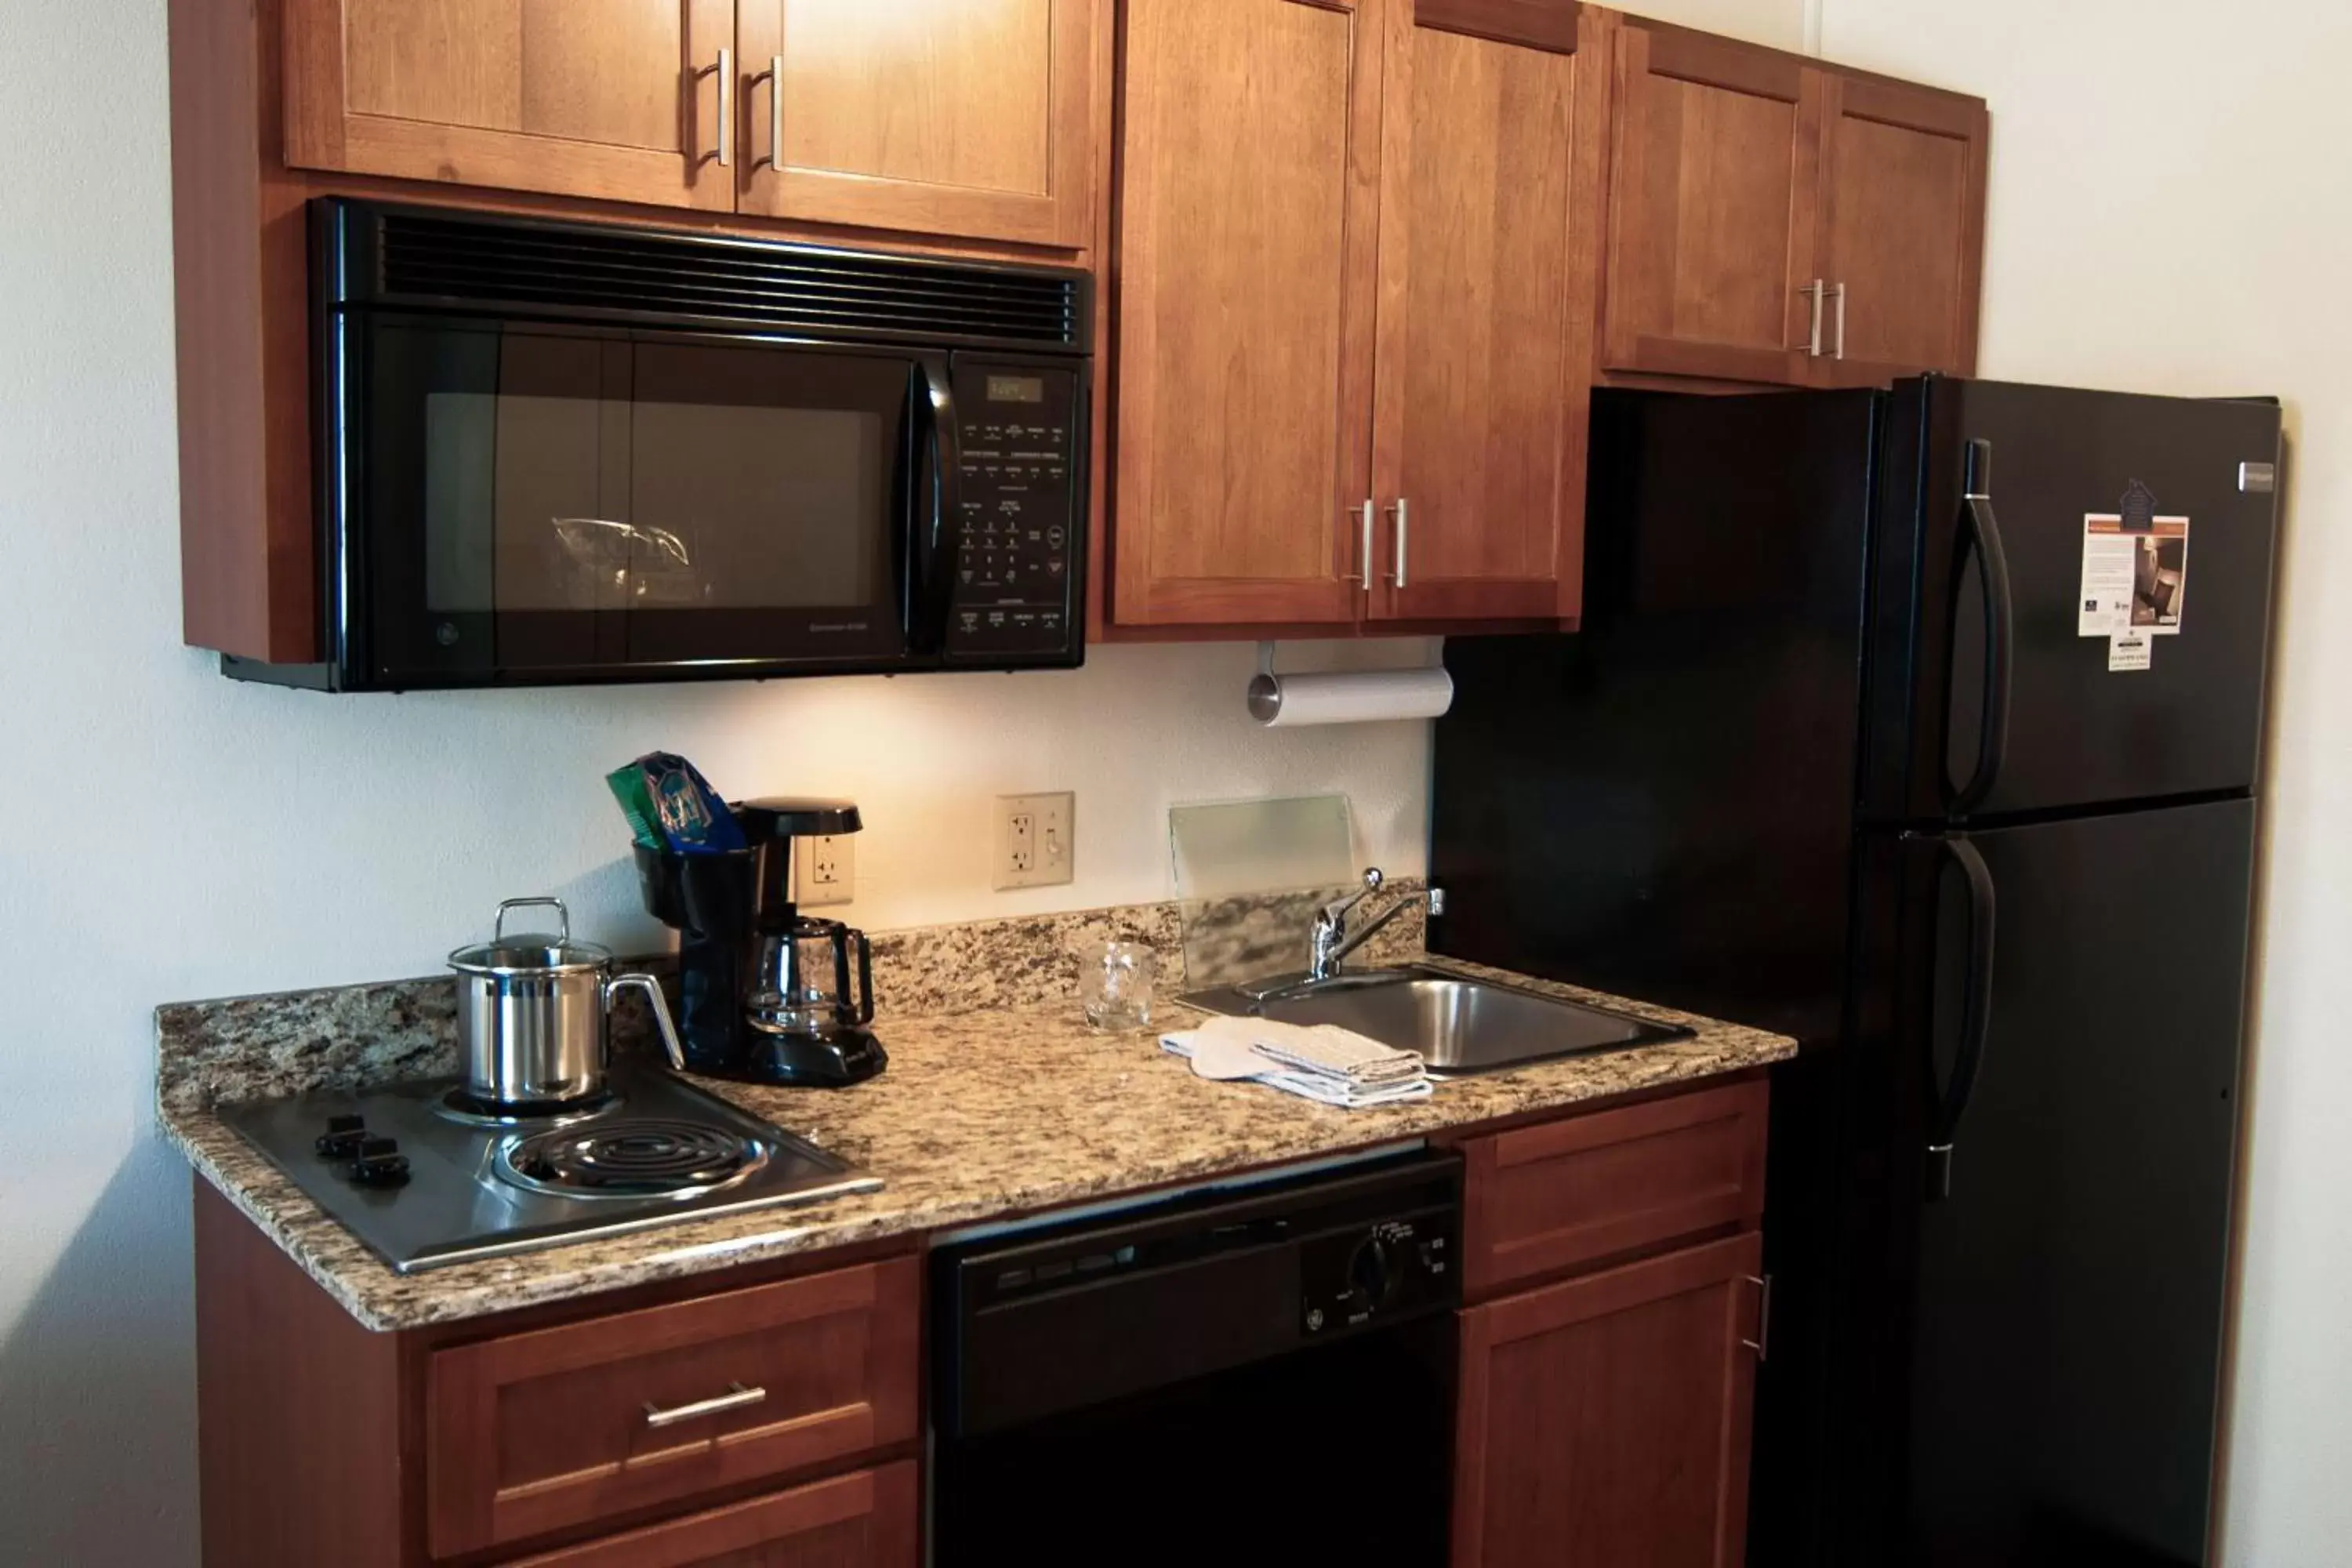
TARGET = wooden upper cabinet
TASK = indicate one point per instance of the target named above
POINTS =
(963, 116)
(1489, 229)
(611, 99)
(1247, 250)
(1902, 228)
(1712, 220)
(1607, 1420)
(1781, 222)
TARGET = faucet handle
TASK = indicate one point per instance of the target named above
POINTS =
(1337, 910)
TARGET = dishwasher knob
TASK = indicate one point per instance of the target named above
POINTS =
(1371, 1272)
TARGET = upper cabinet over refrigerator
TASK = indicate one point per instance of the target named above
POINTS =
(1777, 220)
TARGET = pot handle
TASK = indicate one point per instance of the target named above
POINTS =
(563, 915)
(652, 988)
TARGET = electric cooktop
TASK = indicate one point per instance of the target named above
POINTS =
(426, 1176)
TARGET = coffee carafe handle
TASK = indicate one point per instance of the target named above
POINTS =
(864, 1014)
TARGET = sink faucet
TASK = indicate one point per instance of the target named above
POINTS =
(1330, 942)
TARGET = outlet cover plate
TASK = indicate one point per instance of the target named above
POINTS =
(1035, 840)
(828, 870)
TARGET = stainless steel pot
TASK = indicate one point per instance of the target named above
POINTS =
(534, 1013)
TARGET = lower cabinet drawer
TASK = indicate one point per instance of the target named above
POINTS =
(569, 1426)
(1539, 1200)
(866, 1520)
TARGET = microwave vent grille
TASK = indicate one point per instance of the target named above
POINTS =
(740, 282)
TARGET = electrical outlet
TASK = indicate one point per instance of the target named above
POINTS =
(828, 870)
(1036, 843)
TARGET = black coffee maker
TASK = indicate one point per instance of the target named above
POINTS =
(769, 995)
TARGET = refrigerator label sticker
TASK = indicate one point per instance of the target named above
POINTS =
(2134, 580)
(2130, 650)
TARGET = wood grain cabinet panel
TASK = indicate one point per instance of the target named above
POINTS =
(1902, 228)
(868, 1518)
(611, 99)
(558, 1429)
(1606, 1420)
(1489, 219)
(1246, 249)
(1562, 1195)
(1712, 221)
(964, 117)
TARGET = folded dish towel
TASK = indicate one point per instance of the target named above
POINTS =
(1322, 1062)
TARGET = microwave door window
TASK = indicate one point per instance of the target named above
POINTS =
(769, 477)
(542, 500)
(510, 434)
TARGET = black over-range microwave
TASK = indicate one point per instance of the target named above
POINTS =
(565, 453)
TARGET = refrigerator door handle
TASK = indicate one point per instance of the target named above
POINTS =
(1981, 530)
(1951, 1100)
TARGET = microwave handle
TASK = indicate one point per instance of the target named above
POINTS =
(939, 537)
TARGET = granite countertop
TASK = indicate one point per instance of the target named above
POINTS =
(985, 1112)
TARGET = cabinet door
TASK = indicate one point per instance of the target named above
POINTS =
(1245, 255)
(1902, 229)
(867, 1519)
(968, 118)
(583, 1422)
(1605, 1420)
(611, 99)
(1712, 220)
(1488, 236)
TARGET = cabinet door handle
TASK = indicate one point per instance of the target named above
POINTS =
(1837, 292)
(725, 140)
(1762, 1344)
(1813, 336)
(725, 107)
(1404, 524)
(774, 77)
(1364, 515)
(737, 1397)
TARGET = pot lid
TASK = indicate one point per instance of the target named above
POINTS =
(531, 952)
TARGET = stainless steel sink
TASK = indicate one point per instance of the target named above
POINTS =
(1460, 1027)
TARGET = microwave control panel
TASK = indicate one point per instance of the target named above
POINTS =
(1018, 426)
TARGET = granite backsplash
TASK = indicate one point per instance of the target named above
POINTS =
(347, 1037)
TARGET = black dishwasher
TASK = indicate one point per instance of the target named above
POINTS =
(1241, 1376)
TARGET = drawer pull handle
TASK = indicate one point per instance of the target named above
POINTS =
(737, 1398)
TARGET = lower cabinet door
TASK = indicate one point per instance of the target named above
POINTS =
(566, 1427)
(866, 1520)
(1605, 1420)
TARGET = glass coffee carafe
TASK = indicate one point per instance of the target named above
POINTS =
(803, 986)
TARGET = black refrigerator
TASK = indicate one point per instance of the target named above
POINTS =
(1923, 725)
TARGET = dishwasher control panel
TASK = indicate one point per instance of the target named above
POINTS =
(1405, 1264)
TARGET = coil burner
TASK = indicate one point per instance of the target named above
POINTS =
(632, 1159)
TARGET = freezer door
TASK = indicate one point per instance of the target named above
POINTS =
(2068, 1308)
(1991, 695)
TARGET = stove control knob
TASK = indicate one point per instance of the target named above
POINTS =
(343, 1136)
(379, 1164)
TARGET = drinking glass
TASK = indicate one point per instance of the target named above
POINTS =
(1115, 984)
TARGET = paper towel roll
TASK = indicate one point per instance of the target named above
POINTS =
(1353, 696)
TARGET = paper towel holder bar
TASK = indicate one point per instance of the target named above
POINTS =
(1351, 697)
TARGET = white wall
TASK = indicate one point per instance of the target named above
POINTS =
(2169, 214)
(1780, 23)
(174, 834)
